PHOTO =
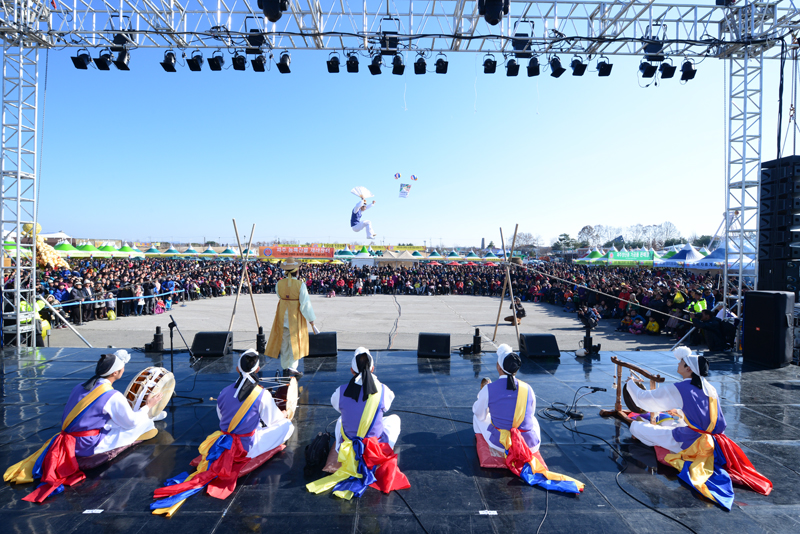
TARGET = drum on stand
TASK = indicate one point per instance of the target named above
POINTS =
(150, 381)
(284, 392)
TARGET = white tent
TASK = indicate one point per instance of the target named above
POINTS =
(687, 255)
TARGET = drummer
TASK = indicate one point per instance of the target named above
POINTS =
(97, 419)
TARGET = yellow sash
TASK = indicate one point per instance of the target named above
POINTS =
(209, 442)
(347, 456)
(700, 454)
(22, 472)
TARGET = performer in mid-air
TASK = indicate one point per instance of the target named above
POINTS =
(356, 223)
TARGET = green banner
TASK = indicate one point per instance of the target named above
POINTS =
(633, 255)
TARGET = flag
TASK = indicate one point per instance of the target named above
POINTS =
(405, 189)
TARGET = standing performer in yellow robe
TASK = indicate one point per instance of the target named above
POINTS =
(288, 338)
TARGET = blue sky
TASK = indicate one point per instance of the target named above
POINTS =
(149, 155)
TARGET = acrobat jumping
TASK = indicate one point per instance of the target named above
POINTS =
(355, 217)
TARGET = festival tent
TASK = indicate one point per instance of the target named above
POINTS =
(336, 262)
(434, 255)
(454, 256)
(171, 250)
(623, 249)
(126, 248)
(471, 263)
(491, 257)
(228, 252)
(152, 251)
(435, 263)
(472, 256)
(716, 260)
(191, 251)
(363, 253)
(417, 254)
(688, 254)
(589, 258)
(65, 247)
(88, 247)
(453, 263)
(704, 251)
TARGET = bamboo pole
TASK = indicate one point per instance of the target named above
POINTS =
(241, 278)
(244, 269)
(510, 286)
(502, 293)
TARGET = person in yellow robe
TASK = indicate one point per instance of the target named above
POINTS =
(288, 338)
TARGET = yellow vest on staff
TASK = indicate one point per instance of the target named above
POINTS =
(289, 293)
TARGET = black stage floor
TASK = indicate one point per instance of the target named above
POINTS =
(449, 490)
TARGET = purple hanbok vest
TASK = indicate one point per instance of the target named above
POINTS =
(696, 409)
(92, 418)
(352, 412)
(228, 405)
(355, 218)
(502, 404)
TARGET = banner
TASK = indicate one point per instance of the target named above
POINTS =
(632, 255)
(405, 189)
(283, 252)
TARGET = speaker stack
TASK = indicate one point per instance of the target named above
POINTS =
(768, 328)
(779, 226)
(322, 344)
(433, 345)
(538, 346)
(212, 343)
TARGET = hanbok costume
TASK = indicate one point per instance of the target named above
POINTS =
(364, 437)
(288, 338)
(355, 219)
(97, 424)
(252, 430)
(695, 444)
(504, 416)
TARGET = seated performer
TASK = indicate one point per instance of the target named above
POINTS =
(251, 426)
(364, 437)
(97, 419)
(694, 442)
(505, 415)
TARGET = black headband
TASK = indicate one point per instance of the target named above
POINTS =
(367, 383)
(511, 365)
(103, 367)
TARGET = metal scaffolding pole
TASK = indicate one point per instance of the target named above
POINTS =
(18, 171)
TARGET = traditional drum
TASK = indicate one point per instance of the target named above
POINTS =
(150, 381)
(284, 392)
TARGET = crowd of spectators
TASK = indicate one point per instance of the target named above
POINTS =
(641, 301)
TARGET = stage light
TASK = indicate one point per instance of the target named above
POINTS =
(352, 63)
(556, 70)
(667, 70)
(441, 65)
(256, 38)
(512, 67)
(273, 9)
(239, 61)
(169, 61)
(195, 62)
(493, 10)
(420, 67)
(82, 60)
(333, 64)
(489, 65)
(398, 67)
(216, 61)
(604, 67)
(375, 65)
(648, 70)
(522, 45)
(259, 63)
(688, 71)
(104, 60)
(533, 67)
(578, 67)
(283, 64)
(123, 58)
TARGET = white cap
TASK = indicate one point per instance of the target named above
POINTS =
(354, 364)
(121, 357)
(246, 373)
(685, 354)
(503, 351)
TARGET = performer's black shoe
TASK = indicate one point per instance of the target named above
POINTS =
(292, 372)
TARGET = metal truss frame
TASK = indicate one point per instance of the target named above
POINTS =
(745, 35)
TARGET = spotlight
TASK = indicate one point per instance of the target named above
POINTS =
(273, 9)
(604, 67)
(375, 65)
(283, 64)
(104, 60)
(441, 65)
(333, 64)
(556, 70)
(578, 67)
(259, 63)
(533, 67)
(123, 58)
(216, 61)
(352, 63)
(667, 70)
(398, 67)
(489, 65)
(169, 61)
(512, 67)
(420, 67)
(493, 10)
(196, 61)
(688, 71)
(648, 69)
(522, 45)
(239, 61)
(82, 61)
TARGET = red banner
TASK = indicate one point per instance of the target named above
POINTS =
(283, 252)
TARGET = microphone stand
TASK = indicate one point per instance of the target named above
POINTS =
(173, 325)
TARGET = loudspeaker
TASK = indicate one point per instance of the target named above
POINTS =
(768, 328)
(212, 343)
(538, 346)
(433, 345)
(322, 344)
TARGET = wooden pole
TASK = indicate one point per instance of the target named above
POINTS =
(244, 270)
(241, 278)
(510, 286)
(502, 293)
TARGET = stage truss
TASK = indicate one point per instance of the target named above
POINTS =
(744, 35)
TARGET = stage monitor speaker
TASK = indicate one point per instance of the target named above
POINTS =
(768, 328)
(322, 344)
(433, 345)
(538, 346)
(212, 344)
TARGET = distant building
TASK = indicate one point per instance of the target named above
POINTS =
(483, 243)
